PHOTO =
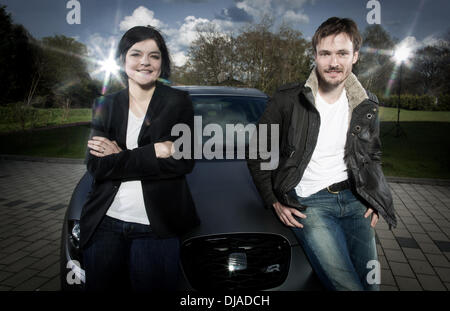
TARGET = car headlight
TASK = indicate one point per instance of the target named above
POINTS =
(74, 234)
(76, 231)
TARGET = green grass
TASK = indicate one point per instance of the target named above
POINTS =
(54, 116)
(390, 114)
(44, 118)
(424, 152)
(67, 142)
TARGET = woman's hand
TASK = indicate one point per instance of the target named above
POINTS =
(165, 149)
(101, 146)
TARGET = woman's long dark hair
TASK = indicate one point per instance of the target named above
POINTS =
(141, 33)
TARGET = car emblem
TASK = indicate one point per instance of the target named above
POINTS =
(273, 268)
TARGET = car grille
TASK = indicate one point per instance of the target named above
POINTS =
(253, 261)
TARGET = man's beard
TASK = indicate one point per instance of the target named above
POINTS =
(331, 84)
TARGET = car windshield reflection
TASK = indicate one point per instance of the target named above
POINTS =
(227, 112)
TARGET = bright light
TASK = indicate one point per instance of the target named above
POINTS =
(109, 66)
(402, 53)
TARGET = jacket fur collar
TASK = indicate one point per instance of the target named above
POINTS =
(356, 93)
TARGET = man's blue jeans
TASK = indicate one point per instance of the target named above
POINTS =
(339, 241)
(129, 256)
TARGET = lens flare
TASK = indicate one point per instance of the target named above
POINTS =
(107, 67)
(402, 53)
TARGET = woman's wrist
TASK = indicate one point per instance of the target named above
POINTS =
(164, 149)
(157, 150)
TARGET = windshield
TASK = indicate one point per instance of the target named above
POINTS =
(225, 120)
(229, 109)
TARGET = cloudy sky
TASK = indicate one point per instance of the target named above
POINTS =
(104, 21)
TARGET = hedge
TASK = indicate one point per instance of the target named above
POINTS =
(418, 102)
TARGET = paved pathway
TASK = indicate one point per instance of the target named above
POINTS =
(34, 197)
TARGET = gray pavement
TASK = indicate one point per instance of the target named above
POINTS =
(33, 200)
(34, 197)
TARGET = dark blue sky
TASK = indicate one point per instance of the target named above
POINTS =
(103, 20)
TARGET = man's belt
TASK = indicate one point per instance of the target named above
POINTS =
(337, 187)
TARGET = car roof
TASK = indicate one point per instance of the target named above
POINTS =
(220, 90)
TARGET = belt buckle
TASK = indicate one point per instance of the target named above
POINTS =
(333, 192)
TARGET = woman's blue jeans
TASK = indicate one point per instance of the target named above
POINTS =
(339, 241)
(129, 256)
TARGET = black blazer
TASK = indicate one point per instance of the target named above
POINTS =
(167, 197)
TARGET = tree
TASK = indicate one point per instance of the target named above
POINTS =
(184, 75)
(255, 48)
(295, 57)
(375, 65)
(258, 57)
(211, 56)
(65, 79)
(431, 69)
(19, 60)
(268, 59)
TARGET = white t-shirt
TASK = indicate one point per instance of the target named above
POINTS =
(327, 164)
(128, 204)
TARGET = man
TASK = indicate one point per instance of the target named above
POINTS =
(329, 186)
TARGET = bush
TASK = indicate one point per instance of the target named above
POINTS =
(40, 101)
(417, 102)
(20, 113)
(444, 102)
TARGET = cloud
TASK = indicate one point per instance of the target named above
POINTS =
(295, 18)
(234, 14)
(409, 42)
(289, 10)
(187, 32)
(431, 40)
(413, 44)
(181, 38)
(99, 46)
(179, 58)
(230, 19)
(141, 17)
(178, 39)
(255, 8)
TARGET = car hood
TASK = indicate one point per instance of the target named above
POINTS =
(227, 201)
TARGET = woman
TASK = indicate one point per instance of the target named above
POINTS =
(140, 201)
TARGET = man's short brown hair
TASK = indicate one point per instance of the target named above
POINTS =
(335, 26)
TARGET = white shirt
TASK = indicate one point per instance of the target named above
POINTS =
(327, 164)
(128, 204)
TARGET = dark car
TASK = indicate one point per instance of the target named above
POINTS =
(239, 244)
